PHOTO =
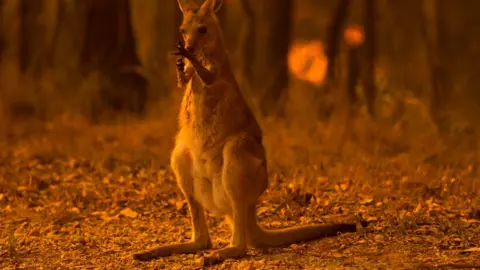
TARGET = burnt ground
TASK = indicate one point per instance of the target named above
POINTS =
(59, 212)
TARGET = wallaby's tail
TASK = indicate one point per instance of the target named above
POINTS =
(262, 238)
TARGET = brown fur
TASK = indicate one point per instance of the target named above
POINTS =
(219, 159)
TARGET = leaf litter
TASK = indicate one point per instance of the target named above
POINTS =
(62, 212)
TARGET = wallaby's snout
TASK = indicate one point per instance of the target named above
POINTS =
(195, 32)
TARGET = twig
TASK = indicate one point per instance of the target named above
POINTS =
(450, 265)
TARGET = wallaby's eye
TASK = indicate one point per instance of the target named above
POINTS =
(202, 30)
(182, 31)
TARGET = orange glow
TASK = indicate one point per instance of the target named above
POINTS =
(354, 35)
(307, 61)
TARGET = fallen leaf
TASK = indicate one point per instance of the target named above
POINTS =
(262, 210)
(106, 180)
(366, 200)
(322, 180)
(127, 212)
(25, 188)
(71, 163)
(470, 220)
(70, 177)
(179, 205)
(431, 239)
(345, 186)
(342, 187)
(415, 239)
(379, 238)
(261, 262)
(337, 254)
(418, 208)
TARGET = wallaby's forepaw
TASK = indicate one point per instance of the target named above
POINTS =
(182, 52)
(179, 52)
(180, 64)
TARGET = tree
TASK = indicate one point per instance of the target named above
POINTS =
(335, 29)
(276, 19)
(124, 42)
(108, 47)
(261, 48)
(155, 31)
(369, 83)
(437, 76)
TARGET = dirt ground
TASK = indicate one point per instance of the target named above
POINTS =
(64, 212)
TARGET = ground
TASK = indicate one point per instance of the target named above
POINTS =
(64, 212)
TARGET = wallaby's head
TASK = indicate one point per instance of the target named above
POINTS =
(200, 28)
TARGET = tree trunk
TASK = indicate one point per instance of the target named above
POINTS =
(38, 25)
(110, 48)
(2, 36)
(440, 88)
(155, 36)
(335, 28)
(245, 45)
(430, 31)
(10, 32)
(272, 77)
(69, 35)
(369, 83)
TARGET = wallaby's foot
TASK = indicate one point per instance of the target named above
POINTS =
(223, 254)
(167, 250)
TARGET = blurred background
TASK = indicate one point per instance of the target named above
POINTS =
(370, 90)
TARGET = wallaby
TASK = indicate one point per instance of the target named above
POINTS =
(219, 159)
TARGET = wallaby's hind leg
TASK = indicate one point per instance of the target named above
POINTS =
(181, 163)
(243, 178)
(238, 242)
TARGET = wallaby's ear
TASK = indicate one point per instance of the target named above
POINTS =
(218, 4)
(211, 5)
(182, 5)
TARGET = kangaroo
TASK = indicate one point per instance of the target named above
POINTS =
(219, 159)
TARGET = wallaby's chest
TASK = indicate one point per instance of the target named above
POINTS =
(201, 104)
(201, 116)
